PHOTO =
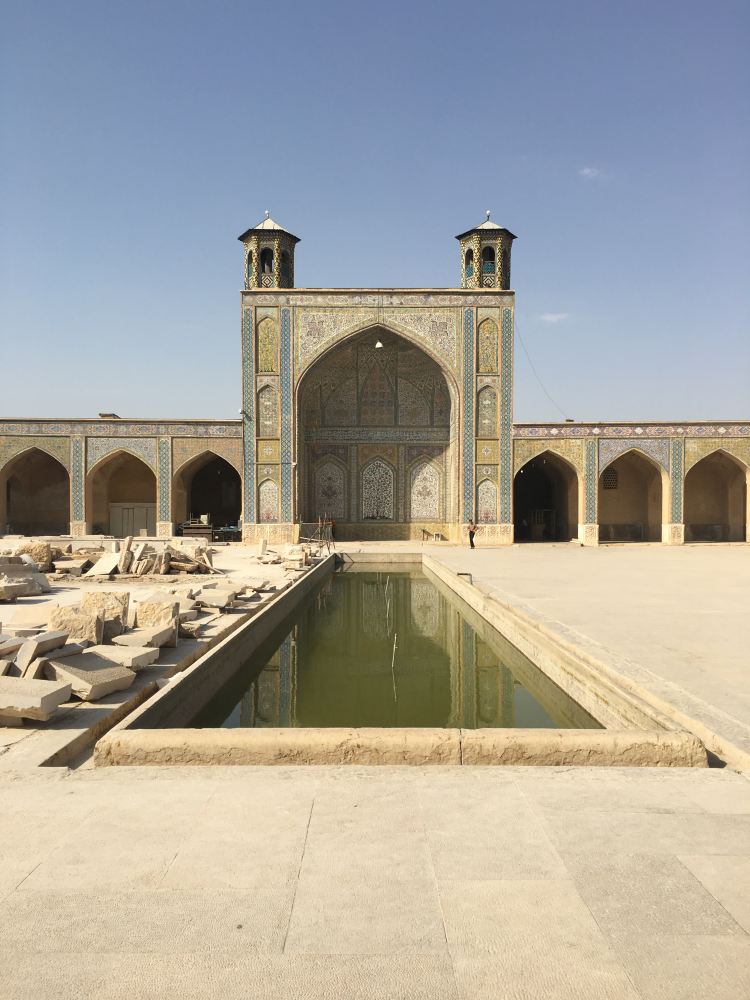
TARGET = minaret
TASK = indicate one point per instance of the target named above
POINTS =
(269, 256)
(485, 256)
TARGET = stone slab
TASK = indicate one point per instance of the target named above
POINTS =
(158, 635)
(91, 676)
(132, 657)
(79, 624)
(106, 565)
(38, 646)
(32, 699)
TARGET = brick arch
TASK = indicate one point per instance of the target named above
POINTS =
(34, 493)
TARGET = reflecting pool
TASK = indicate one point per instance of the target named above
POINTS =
(389, 649)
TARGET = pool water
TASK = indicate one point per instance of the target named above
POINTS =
(389, 649)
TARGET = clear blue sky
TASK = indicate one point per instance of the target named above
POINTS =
(140, 139)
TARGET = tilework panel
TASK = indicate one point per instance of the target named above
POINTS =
(341, 406)
(486, 502)
(122, 428)
(368, 451)
(609, 450)
(268, 502)
(341, 451)
(57, 447)
(676, 476)
(488, 338)
(425, 493)
(377, 490)
(569, 448)
(268, 451)
(401, 481)
(268, 346)
(185, 449)
(698, 448)
(437, 331)
(330, 490)
(164, 479)
(468, 435)
(591, 481)
(332, 435)
(413, 409)
(353, 483)
(98, 448)
(488, 472)
(286, 415)
(248, 405)
(269, 472)
(487, 412)
(317, 329)
(77, 478)
(434, 452)
(741, 431)
(488, 451)
(272, 380)
(493, 380)
(268, 412)
(506, 417)
(378, 407)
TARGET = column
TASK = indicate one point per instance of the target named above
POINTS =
(287, 515)
(164, 526)
(467, 472)
(674, 532)
(78, 524)
(505, 511)
(588, 532)
(248, 422)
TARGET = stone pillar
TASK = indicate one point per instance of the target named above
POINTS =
(79, 525)
(467, 438)
(164, 526)
(248, 422)
(505, 508)
(588, 533)
(674, 533)
(287, 514)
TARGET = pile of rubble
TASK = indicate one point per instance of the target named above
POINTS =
(96, 647)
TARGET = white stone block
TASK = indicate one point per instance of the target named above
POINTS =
(132, 657)
(32, 699)
(91, 677)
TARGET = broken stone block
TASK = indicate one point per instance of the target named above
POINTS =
(40, 552)
(73, 567)
(36, 668)
(21, 697)
(158, 635)
(91, 677)
(33, 614)
(10, 646)
(106, 565)
(262, 546)
(5, 666)
(79, 624)
(44, 643)
(113, 605)
(126, 555)
(157, 612)
(132, 657)
(23, 577)
(10, 591)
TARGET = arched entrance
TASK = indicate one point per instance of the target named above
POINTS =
(377, 437)
(207, 485)
(715, 498)
(545, 500)
(121, 495)
(631, 494)
(35, 490)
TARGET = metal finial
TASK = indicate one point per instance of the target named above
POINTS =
(488, 215)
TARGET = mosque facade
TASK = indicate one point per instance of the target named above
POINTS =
(389, 411)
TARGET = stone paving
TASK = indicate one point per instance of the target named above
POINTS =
(388, 882)
(347, 882)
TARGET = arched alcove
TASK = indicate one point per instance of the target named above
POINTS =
(35, 492)
(207, 485)
(715, 500)
(377, 397)
(545, 500)
(630, 499)
(121, 496)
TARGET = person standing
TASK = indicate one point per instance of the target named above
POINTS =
(472, 531)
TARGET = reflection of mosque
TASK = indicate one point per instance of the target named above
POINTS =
(334, 668)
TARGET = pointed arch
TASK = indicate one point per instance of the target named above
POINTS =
(487, 399)
(633, 497)
(425, 491)
(329, 489)
(121, 491)
(268, 501)
(716, 505)
(221, 500)
(378, 490)
(34, 494)
(486, 502)
(548, 495)
(268, 412)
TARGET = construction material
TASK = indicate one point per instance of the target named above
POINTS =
(78, 623)
(90, 676)
(21, 697)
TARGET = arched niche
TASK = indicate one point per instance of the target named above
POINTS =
(121, 496)
(34, 495)
(633, 492)
(546, 499)
(207, 484)
(356, 395)
(715, 499)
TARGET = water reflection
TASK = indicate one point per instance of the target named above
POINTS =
(389, 649)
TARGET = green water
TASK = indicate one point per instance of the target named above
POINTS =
(389, 649)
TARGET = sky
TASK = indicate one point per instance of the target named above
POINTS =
(139, 140)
